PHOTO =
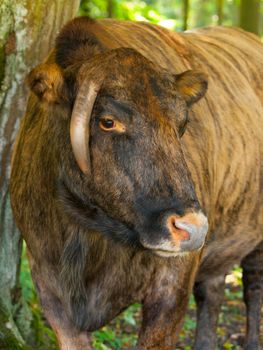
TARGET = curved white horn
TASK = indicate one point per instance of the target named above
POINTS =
(79, 125)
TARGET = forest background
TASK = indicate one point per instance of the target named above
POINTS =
(181, 14)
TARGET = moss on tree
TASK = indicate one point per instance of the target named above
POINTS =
(2, 65)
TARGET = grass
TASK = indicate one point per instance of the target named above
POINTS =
(122, 332)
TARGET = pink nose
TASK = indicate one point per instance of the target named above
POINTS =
(189, 230)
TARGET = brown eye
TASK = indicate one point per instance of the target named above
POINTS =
(109, 124)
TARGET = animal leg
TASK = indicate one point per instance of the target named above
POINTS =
(165, 306)
(161, 324)
(68, 336)
(252, 266)
(69, 339)
(209, 296)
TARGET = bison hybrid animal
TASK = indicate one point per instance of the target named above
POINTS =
(116, 170)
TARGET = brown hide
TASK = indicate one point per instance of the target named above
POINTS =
(222, 145)
(224, 140)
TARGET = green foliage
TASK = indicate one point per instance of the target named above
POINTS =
(153, 11)
(167, 13)
(121, 333)
(10, 337)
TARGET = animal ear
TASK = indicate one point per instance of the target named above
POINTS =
(191, 85)
(46, 81)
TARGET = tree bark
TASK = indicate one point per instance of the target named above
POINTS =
(27, 31)
(249, 15)
(186, 5)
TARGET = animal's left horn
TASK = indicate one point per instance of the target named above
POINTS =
(80, 120)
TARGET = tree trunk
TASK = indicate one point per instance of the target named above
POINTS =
(185, 13)
(27, 31)
(110, 8)
(220, 11)
(249, 15)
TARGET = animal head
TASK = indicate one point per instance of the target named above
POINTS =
(127, 118)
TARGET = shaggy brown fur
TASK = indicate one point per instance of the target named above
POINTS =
(83, 232)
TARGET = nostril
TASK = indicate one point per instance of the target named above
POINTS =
(183, 233)
(178, 233)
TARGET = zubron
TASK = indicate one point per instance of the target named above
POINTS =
(118, 168)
